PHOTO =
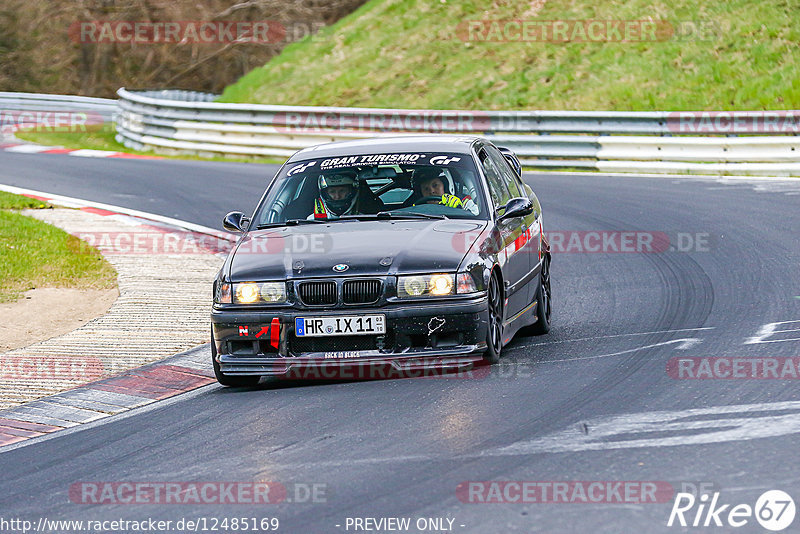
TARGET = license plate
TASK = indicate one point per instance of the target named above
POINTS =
(348, 325)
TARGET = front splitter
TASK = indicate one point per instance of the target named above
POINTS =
(416, 365)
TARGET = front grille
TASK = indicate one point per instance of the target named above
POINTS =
(361, 291)
(299, 345)
(318, 293)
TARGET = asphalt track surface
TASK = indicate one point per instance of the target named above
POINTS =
(551, 411)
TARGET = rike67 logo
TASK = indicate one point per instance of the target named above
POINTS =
(774, 510)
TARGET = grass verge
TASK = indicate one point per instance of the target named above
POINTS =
(729, 55)
(35, 254)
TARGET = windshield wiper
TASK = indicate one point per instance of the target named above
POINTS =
(415, 215)
(290, 222)
(382, 215)
(385, 215)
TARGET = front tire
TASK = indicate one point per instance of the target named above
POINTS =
(227, 380)
(494, 336)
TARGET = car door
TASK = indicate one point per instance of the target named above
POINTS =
(515, 266)
(527, 244)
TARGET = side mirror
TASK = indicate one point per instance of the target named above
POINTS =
(517, 207)
(235, 221)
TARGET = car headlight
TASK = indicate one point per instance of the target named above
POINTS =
(246, 293)
(258, 293)
(425, 285)
(273, 292)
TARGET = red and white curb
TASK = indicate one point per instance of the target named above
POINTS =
(31, 148)
(100, 208)
(126, 390)
(104, 398)
(9, 143)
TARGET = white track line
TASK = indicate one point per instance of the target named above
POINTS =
(716, 177)
(685, 344)
(612, 336)
(77, 202)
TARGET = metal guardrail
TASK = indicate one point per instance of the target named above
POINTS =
(176, 121)
(192, 122)
(34, 102)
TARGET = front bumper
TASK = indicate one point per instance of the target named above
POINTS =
(420, 337)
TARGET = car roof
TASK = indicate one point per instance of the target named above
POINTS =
(383, 145)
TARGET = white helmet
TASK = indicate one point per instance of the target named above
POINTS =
(342, 206)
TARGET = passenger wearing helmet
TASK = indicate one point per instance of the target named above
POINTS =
(338, 195)
(433, 182)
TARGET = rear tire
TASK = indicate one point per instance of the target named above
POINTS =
(227, 380)
(494, 335)
(544, 305)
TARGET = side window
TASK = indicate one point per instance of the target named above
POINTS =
(468, 181)
(497, 187)
(513, 185)
(508, 174)
(289, 203)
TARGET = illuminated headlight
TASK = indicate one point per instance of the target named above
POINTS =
(441, 284)
(428, 285)
(253, 293)
(246, 293)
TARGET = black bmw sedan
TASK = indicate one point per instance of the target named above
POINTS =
(387, 256)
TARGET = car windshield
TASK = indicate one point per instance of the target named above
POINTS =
(375, 186)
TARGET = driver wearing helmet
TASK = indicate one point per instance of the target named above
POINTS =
(338, 195)
(434, 183)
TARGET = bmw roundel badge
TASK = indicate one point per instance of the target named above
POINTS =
(341, 267)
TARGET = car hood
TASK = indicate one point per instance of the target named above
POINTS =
(366, 247)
